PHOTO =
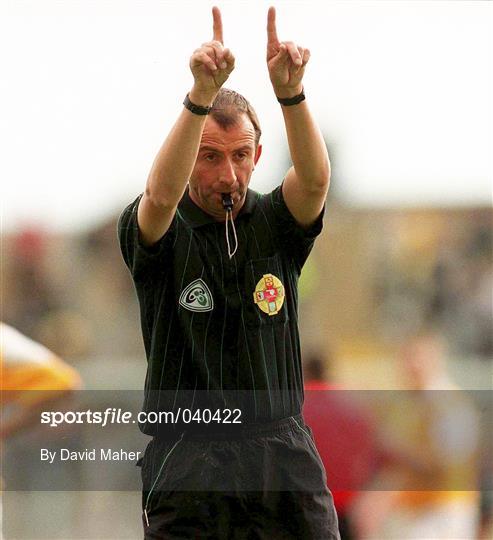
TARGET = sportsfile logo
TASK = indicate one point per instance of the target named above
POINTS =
(112, 415)
(197, 297)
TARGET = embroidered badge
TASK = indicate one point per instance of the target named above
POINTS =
(269, 294)
(197, 297)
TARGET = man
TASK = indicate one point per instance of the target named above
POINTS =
(344, 436)
(215, 267)
(427, 487)
(31, 377)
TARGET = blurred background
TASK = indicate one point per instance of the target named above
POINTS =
(402, 92)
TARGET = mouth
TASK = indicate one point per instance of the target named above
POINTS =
(233, 194)
(227, 201)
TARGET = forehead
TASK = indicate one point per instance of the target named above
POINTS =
(240, 133)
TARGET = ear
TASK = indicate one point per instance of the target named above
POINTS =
(257, 154)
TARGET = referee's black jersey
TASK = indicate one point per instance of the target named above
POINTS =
(219, 332)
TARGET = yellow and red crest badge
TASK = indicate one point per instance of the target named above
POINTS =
(269, 294)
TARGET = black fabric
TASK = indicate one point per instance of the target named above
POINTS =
(248, 482)
(271, 485)
(245, 516)
(235, 347)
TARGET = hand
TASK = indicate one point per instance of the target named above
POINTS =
(286, 61)
(211, 64)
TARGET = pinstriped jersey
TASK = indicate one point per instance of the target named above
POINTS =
(221, 332)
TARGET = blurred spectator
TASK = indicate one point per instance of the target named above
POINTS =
(343, 435)
(462, 281)
(38, 298)
(442, 266)
(430, 490)
(30, 294)
(30, 377)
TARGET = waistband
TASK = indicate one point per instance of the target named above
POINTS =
(230, 431)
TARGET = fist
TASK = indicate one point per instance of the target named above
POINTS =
(212, 63)
(286, 61)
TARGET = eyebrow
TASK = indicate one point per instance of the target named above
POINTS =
(212, 149)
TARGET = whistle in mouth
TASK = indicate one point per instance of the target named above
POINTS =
(227, 202)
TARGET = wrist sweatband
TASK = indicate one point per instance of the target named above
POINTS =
(196, 109)
(292, 100)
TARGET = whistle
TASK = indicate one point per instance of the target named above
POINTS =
(227, 202)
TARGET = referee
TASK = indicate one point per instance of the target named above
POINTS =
(215, 266)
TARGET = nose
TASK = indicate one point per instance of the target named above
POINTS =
(227, 175)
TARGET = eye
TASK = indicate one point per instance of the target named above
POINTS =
(209, 157)
(241, 155)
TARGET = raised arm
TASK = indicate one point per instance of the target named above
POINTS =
(307, 181)
(211, 65)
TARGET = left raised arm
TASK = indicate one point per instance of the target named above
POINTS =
(307, 181)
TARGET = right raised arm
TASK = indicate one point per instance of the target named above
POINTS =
(211, 65)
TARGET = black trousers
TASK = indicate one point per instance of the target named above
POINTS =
(263, 481)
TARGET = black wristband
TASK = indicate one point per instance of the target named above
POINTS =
(292, 100)
(196, 109)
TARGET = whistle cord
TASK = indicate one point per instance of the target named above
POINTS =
(229, 215)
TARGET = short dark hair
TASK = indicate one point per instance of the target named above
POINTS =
(227, 108)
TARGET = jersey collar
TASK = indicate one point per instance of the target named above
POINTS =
(196, 217)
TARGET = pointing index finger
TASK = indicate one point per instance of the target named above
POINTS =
(217, 26)
(272, 38)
